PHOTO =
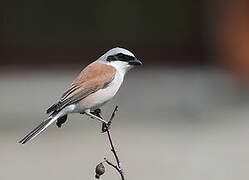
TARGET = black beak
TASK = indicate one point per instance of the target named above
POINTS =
(135, 62)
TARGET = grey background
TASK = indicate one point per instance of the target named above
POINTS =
(184, 123)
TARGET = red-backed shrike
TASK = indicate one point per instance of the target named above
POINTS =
(94, 86)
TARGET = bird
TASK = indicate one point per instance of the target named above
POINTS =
(95, 85)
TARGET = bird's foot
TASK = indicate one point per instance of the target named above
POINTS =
(97, 112)
(105, 126)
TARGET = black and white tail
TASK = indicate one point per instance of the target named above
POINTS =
(39, 128)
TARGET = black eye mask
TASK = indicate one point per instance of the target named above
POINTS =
(120, 57)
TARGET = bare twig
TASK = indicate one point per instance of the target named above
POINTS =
(106, 128)
(111, 164)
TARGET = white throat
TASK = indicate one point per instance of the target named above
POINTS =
(121, 67)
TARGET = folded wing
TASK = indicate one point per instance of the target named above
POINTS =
(94, 77)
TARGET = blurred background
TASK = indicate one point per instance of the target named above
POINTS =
(182, 115)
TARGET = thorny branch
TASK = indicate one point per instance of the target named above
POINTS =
(106, 128)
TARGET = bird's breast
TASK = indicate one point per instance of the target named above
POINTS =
(101, 96)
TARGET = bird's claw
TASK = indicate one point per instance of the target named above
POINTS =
(96, 112)
(105, 126)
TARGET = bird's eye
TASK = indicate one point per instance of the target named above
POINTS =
(120, 57)
(111, 58)
(123, 57)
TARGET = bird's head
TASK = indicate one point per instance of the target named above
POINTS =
(120, 58)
